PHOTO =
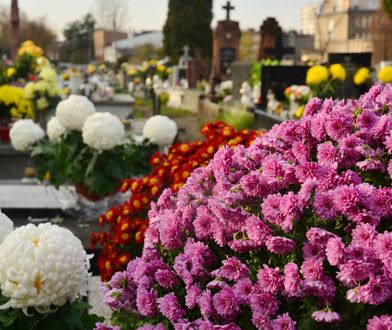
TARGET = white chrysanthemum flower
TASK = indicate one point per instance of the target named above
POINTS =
(103, 131)
(54, 129)
(73, 111)
(6, 226)
(42, 266)
(24, 133)
(160, 130)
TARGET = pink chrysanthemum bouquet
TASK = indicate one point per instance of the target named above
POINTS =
(293, 232)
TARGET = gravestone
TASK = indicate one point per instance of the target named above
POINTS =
(278, 78)
(271, 41)
(226, 44)
(240, 72)
(197, 70)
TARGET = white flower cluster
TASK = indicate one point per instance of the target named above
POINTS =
(73, 112)
(103, 131)
(54, 129)
(25, 133)
(6, 226)
(160, 130)
(42, 267)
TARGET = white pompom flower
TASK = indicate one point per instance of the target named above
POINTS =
(6, 226)
(24, 133)
(103, 131)
(43, 267)
(73, 112)
(54, 129)
(160, 130)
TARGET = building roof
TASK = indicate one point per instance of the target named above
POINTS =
(154, 38)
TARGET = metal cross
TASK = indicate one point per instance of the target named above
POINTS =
(228, 8)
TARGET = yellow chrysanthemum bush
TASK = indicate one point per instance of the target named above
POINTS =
(13, 104)
(324, 81)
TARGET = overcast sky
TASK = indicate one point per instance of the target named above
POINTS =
(151, 14)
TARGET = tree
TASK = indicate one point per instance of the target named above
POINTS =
(188, 23)
(112, 14)
(78, 44)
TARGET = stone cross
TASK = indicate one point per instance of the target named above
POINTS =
(228, 8)
(186, 50)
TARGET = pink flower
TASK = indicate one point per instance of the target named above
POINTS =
(269, 279)
(335, 251)
(375, 292)
(280, 245)
(263, 303)
(205, 303)
(232, 269)
(384, 322)
(327, 155)
(242, 290)
(283, 322)
(312, 269)
(324, 205)
(225, 302)
(327, 316)
(292, 281)
(383, 245)
(170, 308)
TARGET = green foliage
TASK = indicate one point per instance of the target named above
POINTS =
(164, 98)
(71, 161)
(71, 316)
(188, 23)
(24, 64)
(387, 6)
(239, 119)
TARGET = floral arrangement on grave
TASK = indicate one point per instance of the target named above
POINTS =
(29, 60)
(43, 277)
(291, 232)
(297, 96)
(123, 226)
(86, 149)
(325, 81)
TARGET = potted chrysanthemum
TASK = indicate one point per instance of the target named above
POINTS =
(89, 150)
(291, 232)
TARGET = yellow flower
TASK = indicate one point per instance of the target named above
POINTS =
(48, 74)
(299, 112)
(132, 71)
(316, 75)
(102, 67)
(152, 62)
(42, 103)
(385, 75)
(10, 71)
(29, 90)
(169, 70)
(65, 76)
(338, 72)
(66, 90)
(91, 69)
(27, 43)
(161, 68)
(361, 76)
(12, 95)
